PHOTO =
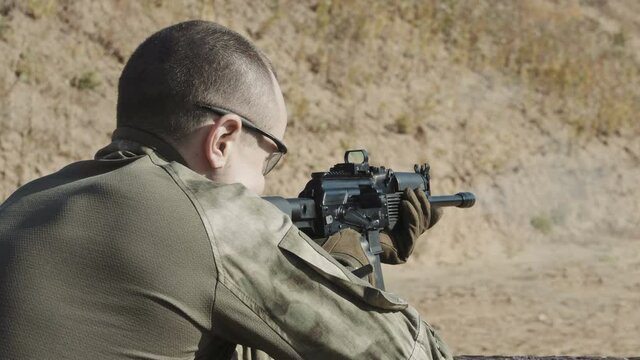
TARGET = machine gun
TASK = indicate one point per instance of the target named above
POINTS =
(365, 198)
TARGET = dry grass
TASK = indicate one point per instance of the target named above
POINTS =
(29, 68)
(4, 26)
(88, 80)
(542, 223)
(552, 49)
(555, 50)
(404, 123)
(37, 9)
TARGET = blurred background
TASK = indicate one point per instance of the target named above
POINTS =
(532, 105)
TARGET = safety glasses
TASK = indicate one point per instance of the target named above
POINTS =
(273, 158)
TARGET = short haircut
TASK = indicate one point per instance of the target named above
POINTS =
(191, 63)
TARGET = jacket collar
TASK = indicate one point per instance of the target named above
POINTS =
(135, 140)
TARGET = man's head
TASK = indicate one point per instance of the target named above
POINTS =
(193, 84)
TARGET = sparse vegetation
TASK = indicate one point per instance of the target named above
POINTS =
(345, 145)
(40, 8)
(28, 69)
(404, 123)
(86, 81)
(276, 15)
(554, 50)
(618, 39)
(298, 105)
(545, 222)
(4, 26)
(542, 223)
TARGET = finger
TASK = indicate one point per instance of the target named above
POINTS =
(409, 229)
(413, 200)
(411, 211)
(436, 214)
(390, 253)
(425, 206)
(345, 247)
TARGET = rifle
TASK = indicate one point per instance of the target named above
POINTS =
(365, 198)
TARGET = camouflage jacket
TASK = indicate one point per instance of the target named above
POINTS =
(131, 255)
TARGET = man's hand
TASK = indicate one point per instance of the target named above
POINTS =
(416, 216)
(345, 247)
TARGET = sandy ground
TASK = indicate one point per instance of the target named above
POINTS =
(575, 290)
(560, 299)
(547, 262)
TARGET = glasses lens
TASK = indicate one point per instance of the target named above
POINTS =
(271, 162)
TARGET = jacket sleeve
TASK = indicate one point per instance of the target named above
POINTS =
(294, 301)
(278, 291)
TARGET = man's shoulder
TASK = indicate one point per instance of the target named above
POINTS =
(244, 229)
(131, 192)
(88, 177)
(229, 207)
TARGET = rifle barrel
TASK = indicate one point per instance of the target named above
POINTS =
(461, 200)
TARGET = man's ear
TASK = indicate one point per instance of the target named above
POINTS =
(221, 139)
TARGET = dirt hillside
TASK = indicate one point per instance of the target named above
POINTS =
(532, 105)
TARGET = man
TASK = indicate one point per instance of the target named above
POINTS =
(161, 248)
